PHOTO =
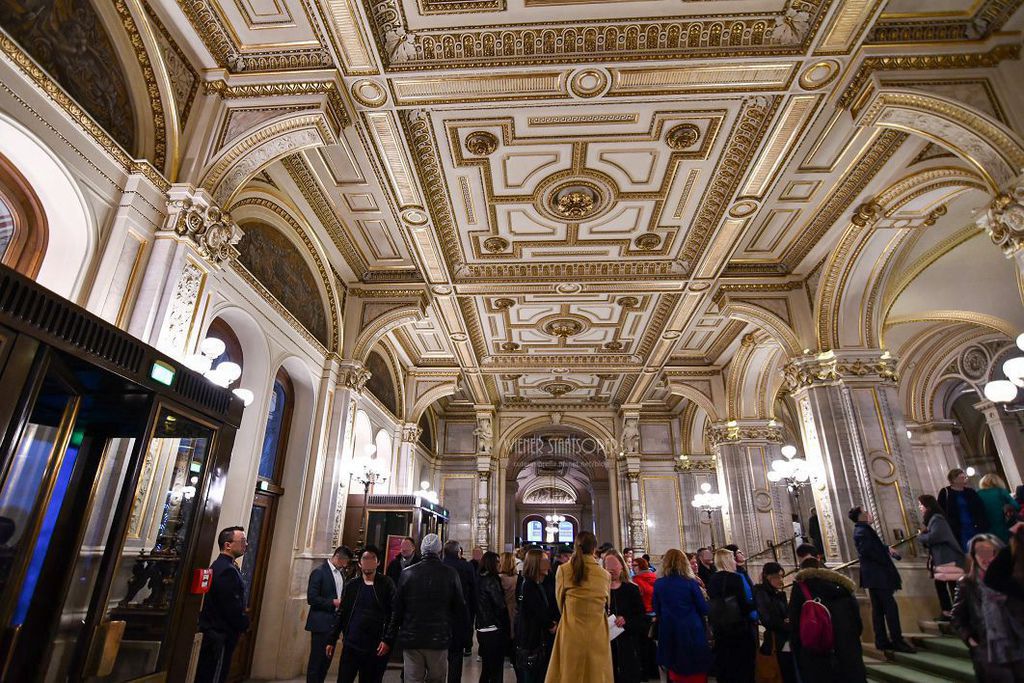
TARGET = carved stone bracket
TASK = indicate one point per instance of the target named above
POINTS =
(1004, 220)
(411, 432)
(484, 433)
(832, 367)
(353, 375)
(205, 225)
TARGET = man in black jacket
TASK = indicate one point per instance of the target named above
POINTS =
(705, 565)
(367, 603)
(878, 574)
(407, 556)
(223, 617)
(428, 605)
(323, 593)
(462, 635)
(963, 508)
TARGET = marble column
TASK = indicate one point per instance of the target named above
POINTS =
(484, 433)
(1008, 435)
(855, 439)
(197, 237)
(351, 378)
(637, 528)
(936, 449)
(757, 510)
(629, 458)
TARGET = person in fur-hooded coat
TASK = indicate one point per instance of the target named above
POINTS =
(845, 664)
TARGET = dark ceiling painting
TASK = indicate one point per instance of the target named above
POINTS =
(427, 435)
(380, 383)
(278, 265)
(67, 39)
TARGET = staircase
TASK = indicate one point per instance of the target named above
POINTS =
(940, 656)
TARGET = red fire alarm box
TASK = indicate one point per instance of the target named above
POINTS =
(201, 579)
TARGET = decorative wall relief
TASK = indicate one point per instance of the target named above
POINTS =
(69, 41)
(278, 265)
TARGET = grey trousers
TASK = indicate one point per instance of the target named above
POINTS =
(425, 666)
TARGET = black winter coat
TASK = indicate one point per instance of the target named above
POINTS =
(429, 606)
(535, 617)
(772, 612)
(625, 601)
(877, 570)
(463, 628)
(395, 566)
(490, 603)
(383, 592)
(846, 663)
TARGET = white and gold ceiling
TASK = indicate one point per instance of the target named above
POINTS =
(596, 197)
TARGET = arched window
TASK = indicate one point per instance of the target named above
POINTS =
(275, 439)
(534, 532)
(362, 442)
(384, 444)
(566, 532)
(23, 232)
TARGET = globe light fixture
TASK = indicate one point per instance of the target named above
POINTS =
(426, 494)
(1000, 391)
(224, 374)
(1005, 390)
(792, 472)
(708, 503)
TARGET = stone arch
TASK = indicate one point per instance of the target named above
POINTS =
(269, 142)
(582, 423)
(766, 320)
(72, 236)
(429, 396)
(374, 319)
(753, 377)
(854, 276)
(681, 387)
(995, 151)
(264, 207)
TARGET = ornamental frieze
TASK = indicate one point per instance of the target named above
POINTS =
(211, 230)
(732, 432)
(828, 368)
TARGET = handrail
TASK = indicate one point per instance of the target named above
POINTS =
(847, 565)
(774, 547)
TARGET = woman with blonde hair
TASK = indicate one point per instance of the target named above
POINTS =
(733, 618)
(627, 607)
(582, 650)
(679, 603)
(1000, 507)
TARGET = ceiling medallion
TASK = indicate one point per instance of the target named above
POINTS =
(415, 217)
(819, 74)
(575, 203)
(742, 208)
(569, 288)
(511, 377)
(671, 334)
(504, 303)
(628, 301)
(563, 326)
(509, 346)
(481, 143)
(369, 93)
(459, 336)
(648, 241)
(495, 244)
(589, 82)
(558, 389)
(613, 345)
(683, 136)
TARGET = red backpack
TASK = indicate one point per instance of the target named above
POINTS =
(816, 633)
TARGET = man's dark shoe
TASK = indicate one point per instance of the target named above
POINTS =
(904, 646)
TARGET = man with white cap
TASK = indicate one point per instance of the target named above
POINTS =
(428, 605)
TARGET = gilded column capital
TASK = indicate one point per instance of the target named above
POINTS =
(1004, 220)
(411, 432)
(353, 375)
(684, 463)
(191, 214)
(735, 431)
(832, 367)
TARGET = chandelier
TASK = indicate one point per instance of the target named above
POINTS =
(792, 472)
(708, 503)
(224, 374)
(1005, 390)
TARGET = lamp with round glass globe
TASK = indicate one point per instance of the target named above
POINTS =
(708, 503)
(1000, 391)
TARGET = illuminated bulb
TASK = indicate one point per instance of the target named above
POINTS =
(230, 371)
(1014, 370)
(789, 451)
(244, 394)
(1000, 391)
(970, 471)
(211, 347)
(424, 485)
(1020, 341)
(199, 363)
(705, 487)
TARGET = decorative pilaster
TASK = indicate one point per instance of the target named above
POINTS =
(484, 433)
(855, 439)
(756, 512)
(350, 377)
(629, 454)
(407, 458)
(936, 449)
(197, 237)
(1008, 435)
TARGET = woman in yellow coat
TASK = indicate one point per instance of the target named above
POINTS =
(582, 651)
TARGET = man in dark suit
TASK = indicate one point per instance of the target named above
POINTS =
(323, 593)
(462, 628)
(407, 557)
(878, 574)
(367, 603)
(223, 617)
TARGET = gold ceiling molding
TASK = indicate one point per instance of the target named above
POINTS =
(235, 58)
(752, 124)
(830, 368)
(335, 104)
(345, 31)
(702, 78)
(296, 167)
(156, 103)
(983, 319)
(792, 123)
(786, 31)
(931, 26)
(384, 133)
(420, 90)
(79, 117)
(184, 99)
(428, 7)
(721, 433)
(960, 60)
(859, 174)
(846, 26)
(332, 302)
(582, 119)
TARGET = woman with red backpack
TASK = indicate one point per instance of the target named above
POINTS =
(826, 635)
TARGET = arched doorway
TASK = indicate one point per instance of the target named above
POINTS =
(557, 470)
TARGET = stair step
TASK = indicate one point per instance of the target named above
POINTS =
(945, 645)
(897, 673)
(936, 628)
(949, 668)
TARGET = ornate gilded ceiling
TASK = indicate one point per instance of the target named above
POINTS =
(590, 193)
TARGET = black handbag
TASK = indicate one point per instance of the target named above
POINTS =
(725, 617)
(529, 660)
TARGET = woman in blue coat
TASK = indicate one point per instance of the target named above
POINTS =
(681, 608)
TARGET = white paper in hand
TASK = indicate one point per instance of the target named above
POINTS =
(613, 630)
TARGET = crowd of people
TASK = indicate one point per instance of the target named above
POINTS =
(604, 616)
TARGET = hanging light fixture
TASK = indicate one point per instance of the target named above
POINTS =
(224, 374)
